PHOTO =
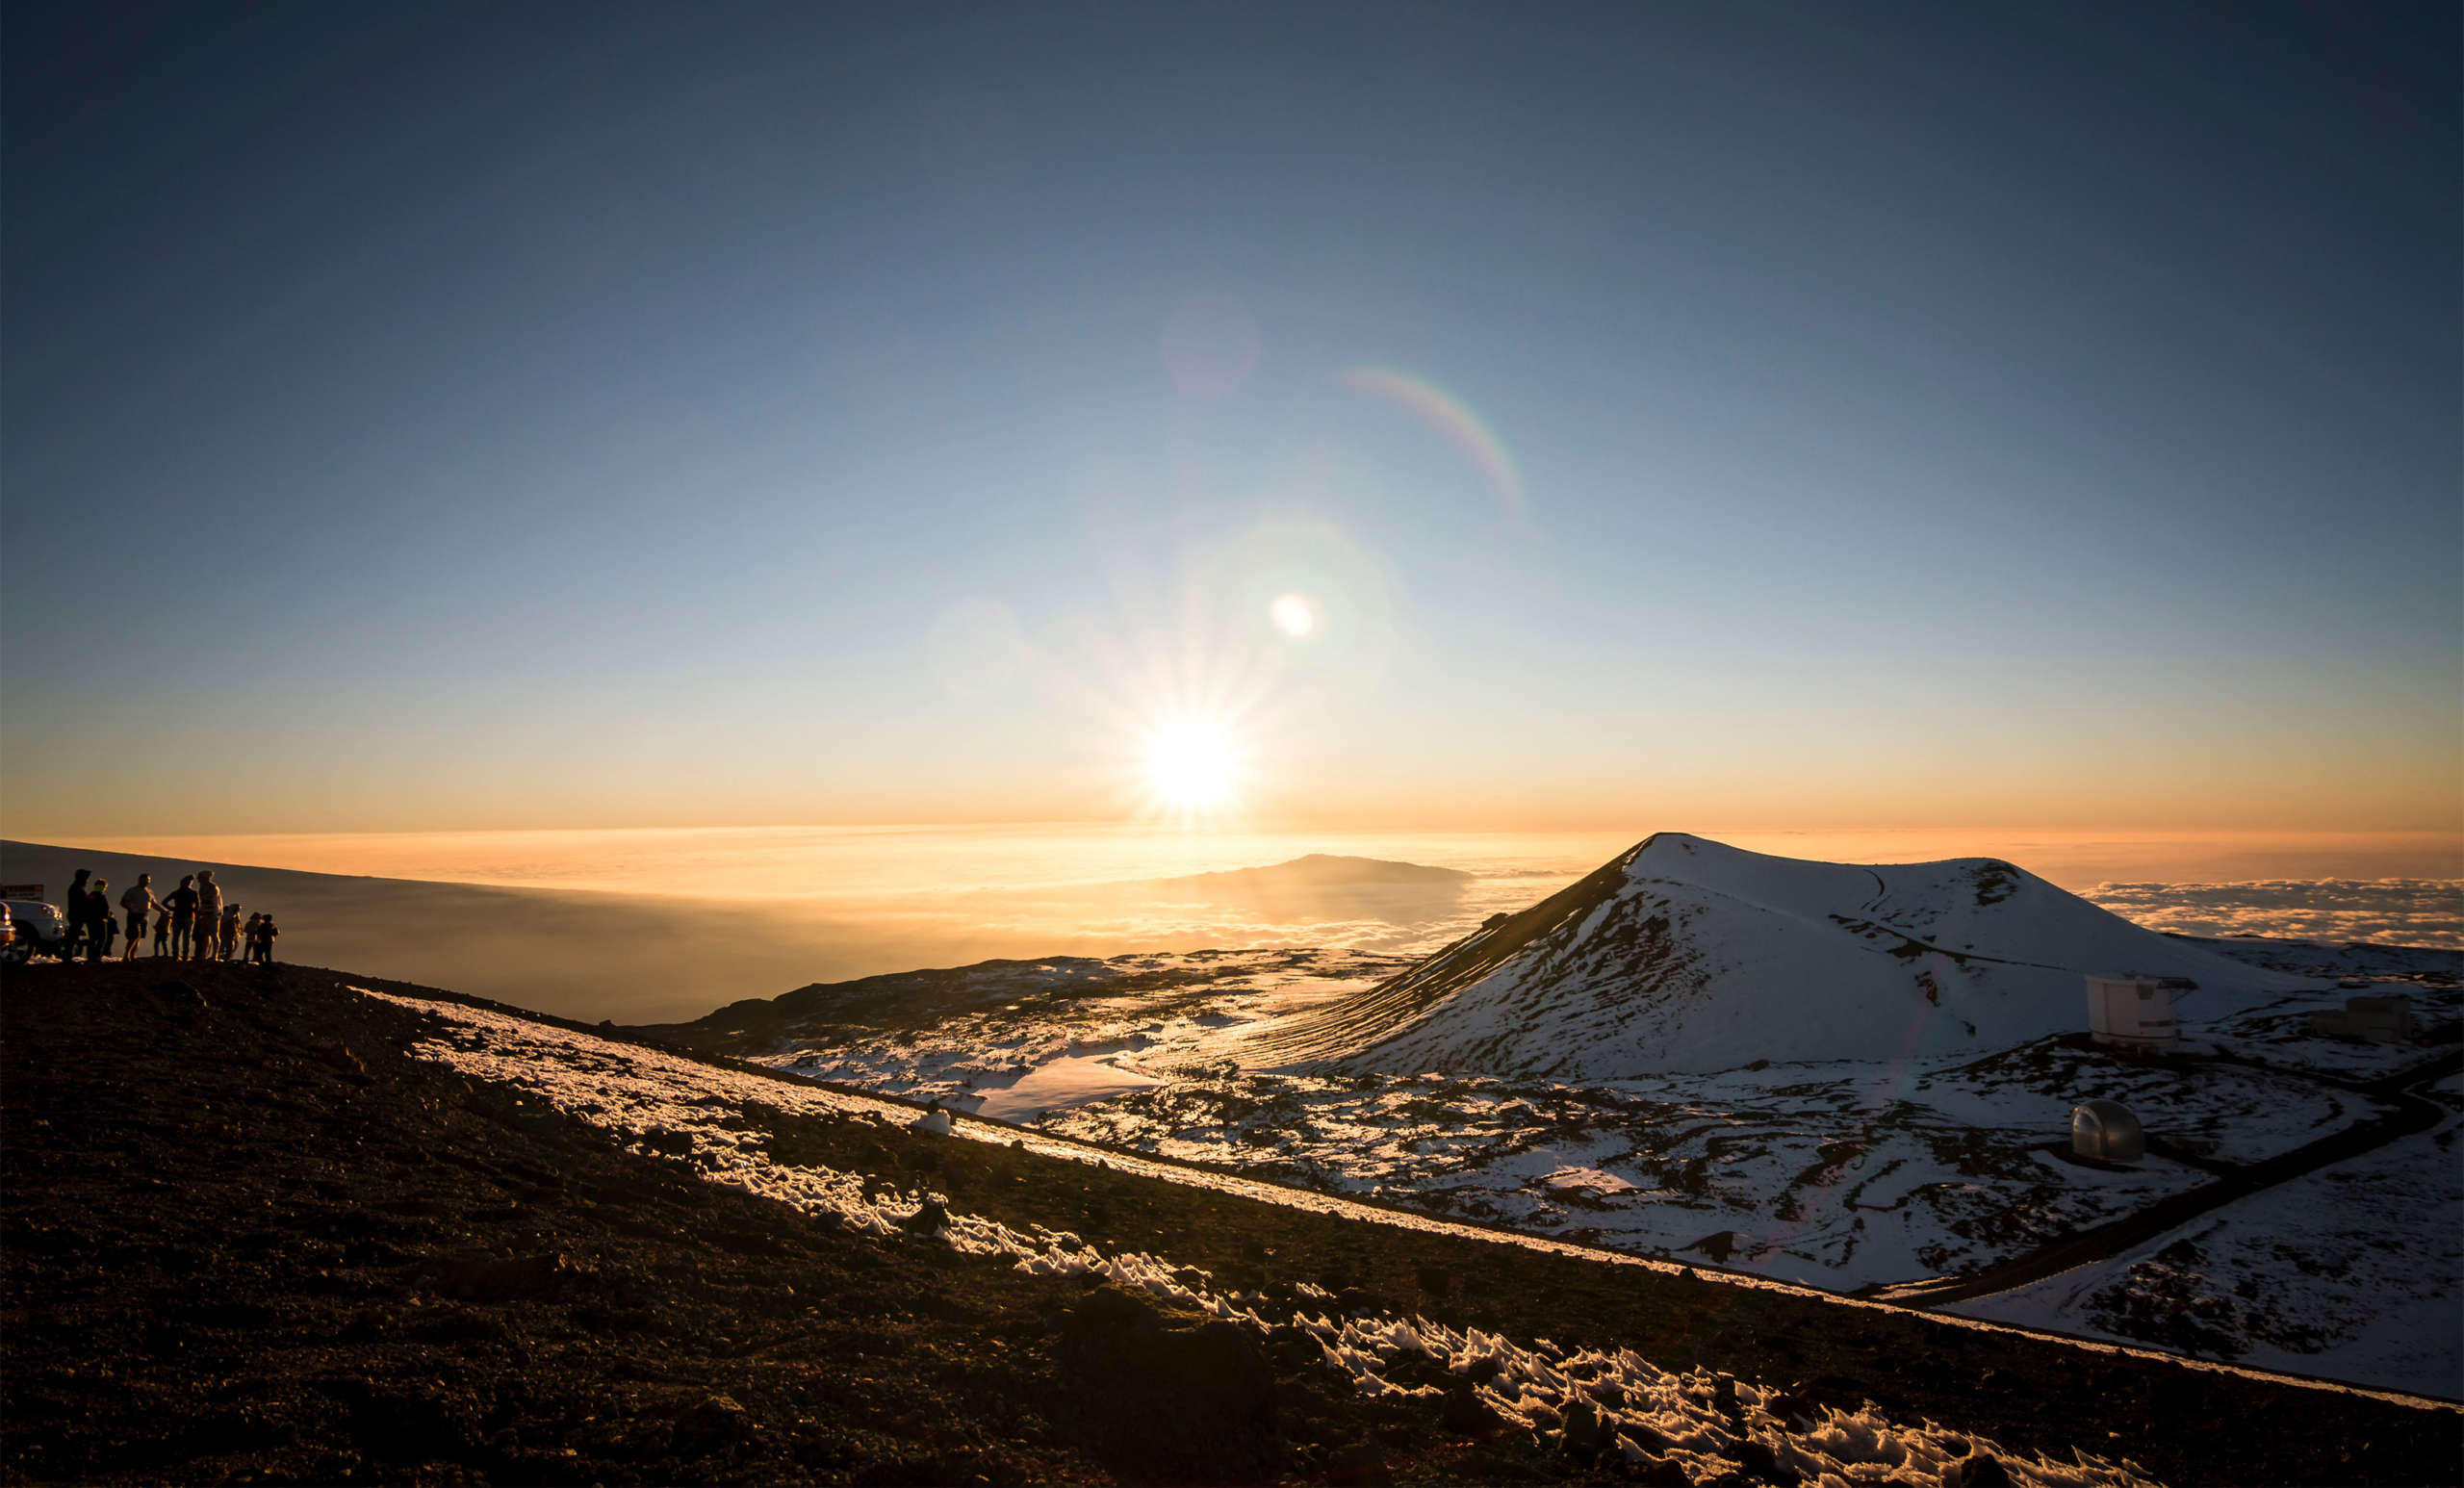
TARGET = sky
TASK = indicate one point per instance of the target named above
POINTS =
(1425, 417)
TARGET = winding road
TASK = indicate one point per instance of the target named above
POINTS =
(2413, 1114)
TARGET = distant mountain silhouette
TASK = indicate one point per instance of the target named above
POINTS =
(1327, 887)
(574, 952)
(1322, 870)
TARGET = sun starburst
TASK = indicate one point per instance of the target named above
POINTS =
(1193, 767)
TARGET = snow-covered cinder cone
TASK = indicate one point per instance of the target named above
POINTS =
(1684, 953)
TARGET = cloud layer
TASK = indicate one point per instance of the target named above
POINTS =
(2391, 911)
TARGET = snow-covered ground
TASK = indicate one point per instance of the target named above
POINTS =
(1840, 1175)
(1611, 1066)
(2351, 1271)
(1835, 1075)
(1020, 1039)
(1701, 1422)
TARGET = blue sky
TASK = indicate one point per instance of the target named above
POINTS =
(543, 416)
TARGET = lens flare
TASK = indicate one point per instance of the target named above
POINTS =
(1294, 615)
(1449, 416)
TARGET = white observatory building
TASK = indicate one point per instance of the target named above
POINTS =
(2132, 1012)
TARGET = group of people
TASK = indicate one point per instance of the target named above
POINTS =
(190, 923)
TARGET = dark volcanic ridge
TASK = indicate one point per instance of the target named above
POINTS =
(259, 1224)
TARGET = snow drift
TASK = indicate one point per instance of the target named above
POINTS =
(1685, 954)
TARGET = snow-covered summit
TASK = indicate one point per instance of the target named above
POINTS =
(1685, 954)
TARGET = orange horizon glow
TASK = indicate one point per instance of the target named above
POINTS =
(1081, 756)
(940, 857)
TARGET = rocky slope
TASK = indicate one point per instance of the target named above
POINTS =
(264, 1226)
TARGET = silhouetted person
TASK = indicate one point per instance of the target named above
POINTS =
(161, 930)
(209, 912)
(182, 903)
(264, 954)
(75, 905)
(99, 921)
(230, 936)
(137, 904)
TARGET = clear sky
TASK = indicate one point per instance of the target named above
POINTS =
(1452, 417)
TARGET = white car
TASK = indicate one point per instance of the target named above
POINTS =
(40, 928)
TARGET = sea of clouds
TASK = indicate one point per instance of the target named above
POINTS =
(2390, 911)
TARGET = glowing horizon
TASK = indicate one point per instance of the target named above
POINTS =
(917, 856)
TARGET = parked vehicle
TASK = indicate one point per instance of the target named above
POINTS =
(36, 929)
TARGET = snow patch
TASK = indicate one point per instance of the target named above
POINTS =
(1060, 1085)
(1698, 1421)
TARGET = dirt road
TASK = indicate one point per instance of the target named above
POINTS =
(2413, 1114)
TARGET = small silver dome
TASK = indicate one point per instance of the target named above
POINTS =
(2106, 1131)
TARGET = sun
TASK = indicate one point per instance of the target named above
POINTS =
(1192, 766)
